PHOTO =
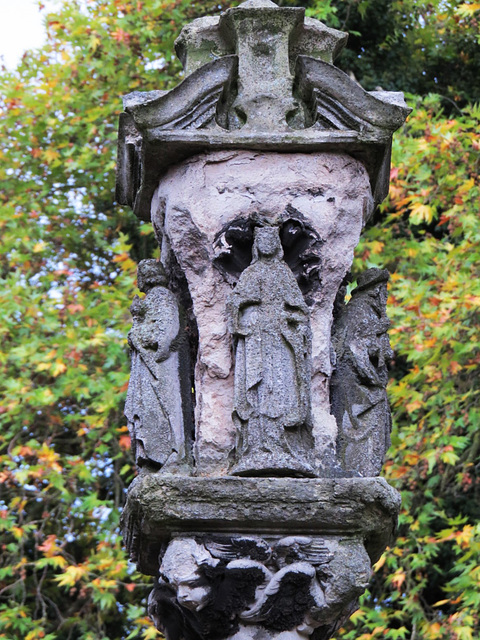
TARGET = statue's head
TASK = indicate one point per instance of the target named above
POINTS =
(267, 243)
(373, 283)
(372, 278)
(181, 568)
(150, 273)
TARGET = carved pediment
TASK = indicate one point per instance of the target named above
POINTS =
(335, 101)
(190, 105)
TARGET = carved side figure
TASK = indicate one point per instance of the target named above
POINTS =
(270, 325)
(158, 406)
(358, 386)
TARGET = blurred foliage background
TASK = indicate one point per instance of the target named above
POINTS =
(67, 270)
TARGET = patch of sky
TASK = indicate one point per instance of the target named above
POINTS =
(102, 513)
(155, 64)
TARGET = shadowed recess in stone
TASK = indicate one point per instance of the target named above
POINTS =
(301, 247)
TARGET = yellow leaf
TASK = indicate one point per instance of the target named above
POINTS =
(466, 9)
(39, 247)
(377, 246)
(94, 42)
(58, 561)
(398, 579)
(468, 185)
(51, 155)
(413, 406)
(434, 630)
(58, 368)
(380, 563)
(421, 213)
(72, 575)
(17, 532)
(151, 633)
(465, 536)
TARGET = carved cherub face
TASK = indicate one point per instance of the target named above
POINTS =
(180, 568)
(192, 597)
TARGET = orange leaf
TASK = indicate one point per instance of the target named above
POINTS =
(124, 442)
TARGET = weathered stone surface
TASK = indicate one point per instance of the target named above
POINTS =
(265, 84)
(358, 387)
(160, 505)
(190, 105)
(201, 42)
(315, 39)
(158, 407)
(208, 38)
(341, 104)
(196, 202)
(270, 322)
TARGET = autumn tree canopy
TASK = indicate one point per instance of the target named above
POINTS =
(68, 268)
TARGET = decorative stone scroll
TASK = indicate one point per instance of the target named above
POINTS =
(257, 402)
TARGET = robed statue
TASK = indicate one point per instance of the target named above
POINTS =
(358, 387)
(158, 406)
(272, 343)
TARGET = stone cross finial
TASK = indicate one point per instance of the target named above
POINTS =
(262, 33)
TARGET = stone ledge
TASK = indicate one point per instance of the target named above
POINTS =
(159, 506)
(163, 149)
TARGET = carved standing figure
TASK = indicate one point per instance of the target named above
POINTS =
(271, 330)
(358, 386)
(158, 406)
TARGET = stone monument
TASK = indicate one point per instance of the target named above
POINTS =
(257, 403)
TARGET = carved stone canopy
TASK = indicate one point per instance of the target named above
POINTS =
(257, 77)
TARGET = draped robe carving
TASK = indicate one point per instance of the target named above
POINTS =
(358, 387)
(270, 325)
(158, 408)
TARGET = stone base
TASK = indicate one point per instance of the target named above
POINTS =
(257, 558)
(159, 506)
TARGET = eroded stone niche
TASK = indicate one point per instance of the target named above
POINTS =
(204, 213)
